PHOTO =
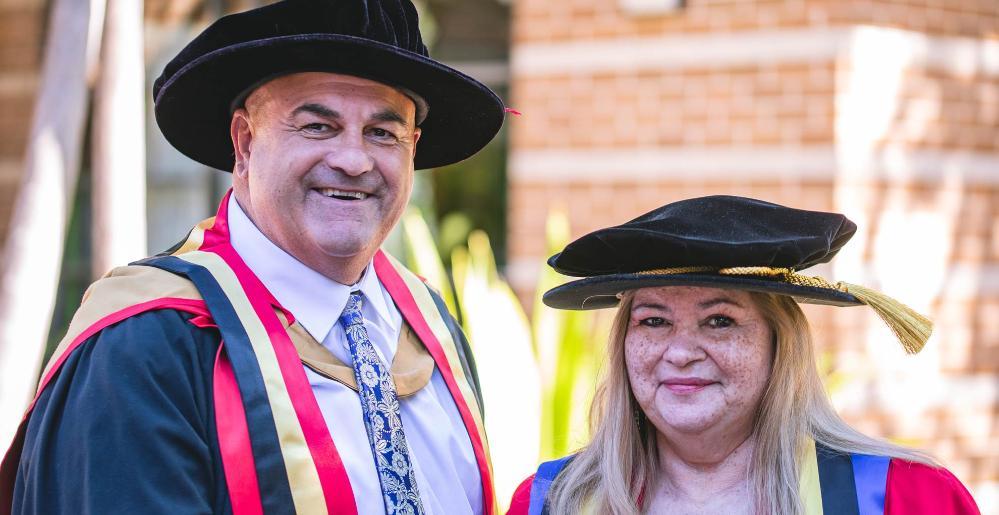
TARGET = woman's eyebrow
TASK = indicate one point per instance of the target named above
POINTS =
(650, 305)
(718, 300)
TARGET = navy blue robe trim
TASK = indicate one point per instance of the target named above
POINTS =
(272, 478)
(839, 494)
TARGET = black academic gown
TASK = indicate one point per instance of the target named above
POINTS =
(128, 425)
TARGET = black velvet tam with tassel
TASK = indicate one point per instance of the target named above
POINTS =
(374, 39)
(705, 241)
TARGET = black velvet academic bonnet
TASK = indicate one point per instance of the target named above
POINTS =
(722, 242)
(374, 39)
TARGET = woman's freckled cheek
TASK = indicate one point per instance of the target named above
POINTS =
(743, 362)
(641, 358)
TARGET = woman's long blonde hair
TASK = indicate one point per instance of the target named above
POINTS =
(621, 461)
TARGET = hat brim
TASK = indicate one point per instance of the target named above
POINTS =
(601, 291)
(192, 108)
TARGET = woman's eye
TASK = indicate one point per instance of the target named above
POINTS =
(719, 321)
(652, 321)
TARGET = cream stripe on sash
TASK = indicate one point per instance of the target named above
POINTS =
(303, 477)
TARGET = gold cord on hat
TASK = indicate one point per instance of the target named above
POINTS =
(911, 328)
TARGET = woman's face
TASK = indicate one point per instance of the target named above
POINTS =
(698, 358)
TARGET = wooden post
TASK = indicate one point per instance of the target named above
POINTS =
(118, 131)
(34, 244)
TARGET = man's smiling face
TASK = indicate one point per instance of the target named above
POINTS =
(324, 166)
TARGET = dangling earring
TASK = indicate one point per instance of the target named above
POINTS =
(639, 417)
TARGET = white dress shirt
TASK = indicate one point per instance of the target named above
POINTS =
(447, 474)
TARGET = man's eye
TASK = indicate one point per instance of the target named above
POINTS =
(652, 321)
(316, 128)
(719, 321)
(381, 133)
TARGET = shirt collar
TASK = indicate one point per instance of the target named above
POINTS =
(316, 300)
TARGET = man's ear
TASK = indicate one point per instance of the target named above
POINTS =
(416, 139)
(241, 134)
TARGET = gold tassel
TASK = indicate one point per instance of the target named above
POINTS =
(911, 328)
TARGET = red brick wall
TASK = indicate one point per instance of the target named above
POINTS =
(594, 19)
(774, 104)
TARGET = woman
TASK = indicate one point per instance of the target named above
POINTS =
(712, 402)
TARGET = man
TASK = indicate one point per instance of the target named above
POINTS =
(180, 387)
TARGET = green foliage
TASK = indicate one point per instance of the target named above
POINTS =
(472, 194)
(423, 259)
(564, 344)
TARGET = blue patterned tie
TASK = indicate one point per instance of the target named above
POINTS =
(381, 416)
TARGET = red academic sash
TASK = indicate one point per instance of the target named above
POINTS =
(277, 452)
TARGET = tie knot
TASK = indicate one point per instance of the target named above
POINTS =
(352, 312)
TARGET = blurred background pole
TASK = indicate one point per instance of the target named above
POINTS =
(119, 158)
(34, 246)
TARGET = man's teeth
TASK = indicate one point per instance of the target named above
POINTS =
(342, 195)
